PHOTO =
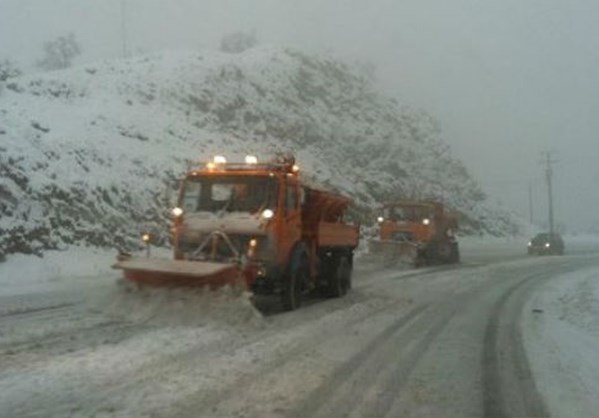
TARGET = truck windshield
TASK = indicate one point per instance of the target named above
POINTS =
(220, 194)
(408, 213)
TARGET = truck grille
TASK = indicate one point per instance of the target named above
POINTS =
(218, 250)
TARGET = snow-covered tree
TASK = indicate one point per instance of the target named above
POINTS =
(237, 42)
(8, 70)
(366, 69)
(59, 53)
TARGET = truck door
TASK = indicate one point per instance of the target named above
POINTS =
(292, 227)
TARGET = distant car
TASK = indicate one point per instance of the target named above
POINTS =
(546, 244)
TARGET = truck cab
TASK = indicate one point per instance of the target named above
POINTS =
(425, 230)
(263, 216)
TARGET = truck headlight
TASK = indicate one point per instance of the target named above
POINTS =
(267, 214)
(252, 247)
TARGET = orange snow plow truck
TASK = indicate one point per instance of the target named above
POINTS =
(416, 232)
(258, 225)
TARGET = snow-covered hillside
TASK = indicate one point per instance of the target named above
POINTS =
(87, 154)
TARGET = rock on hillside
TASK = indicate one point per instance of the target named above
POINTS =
(86, 154)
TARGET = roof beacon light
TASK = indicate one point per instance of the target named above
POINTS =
(219, 159)
(251, 159)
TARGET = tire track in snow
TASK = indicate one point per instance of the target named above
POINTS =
(407, 362)
(33, 310)
(493, 397)
(30, 352)
(357, 367)
(509, 388)
(285, 354)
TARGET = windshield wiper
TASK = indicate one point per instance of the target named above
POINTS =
(227, 204)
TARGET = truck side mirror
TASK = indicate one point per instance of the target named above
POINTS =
(172, 192)
(302, 197)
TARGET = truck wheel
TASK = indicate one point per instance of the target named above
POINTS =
(455, 253)
(291, 296)
(419, 258)
(340, 281)
(444, 253)
(349, 274)
(430, 254)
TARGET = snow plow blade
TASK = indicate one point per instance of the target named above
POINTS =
(175, 273)
(392, 252)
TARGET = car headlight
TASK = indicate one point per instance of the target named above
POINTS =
(547, 245)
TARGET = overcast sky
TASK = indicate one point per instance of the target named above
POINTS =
(507, 79)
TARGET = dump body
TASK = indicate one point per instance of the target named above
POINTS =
(335, 235)
(421, 230)
(261, 222)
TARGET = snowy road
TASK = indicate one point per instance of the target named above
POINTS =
(474, 340)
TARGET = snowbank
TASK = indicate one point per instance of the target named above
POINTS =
(22, 273)
(561, 323)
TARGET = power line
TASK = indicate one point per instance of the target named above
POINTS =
(511, 182)
(530, 207)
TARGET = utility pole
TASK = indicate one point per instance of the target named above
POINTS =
(124, 27)
(549, 173)
(530, 208)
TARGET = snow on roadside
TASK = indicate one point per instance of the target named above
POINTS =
(561, 324)
(27, 273)
(581, 243)
(486, 248)
(57, 270)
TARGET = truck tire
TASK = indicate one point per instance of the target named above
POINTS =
(291, 295)
(349, 273)
(430, 254)
(444, 253)
(455, 253)
(340, 281)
